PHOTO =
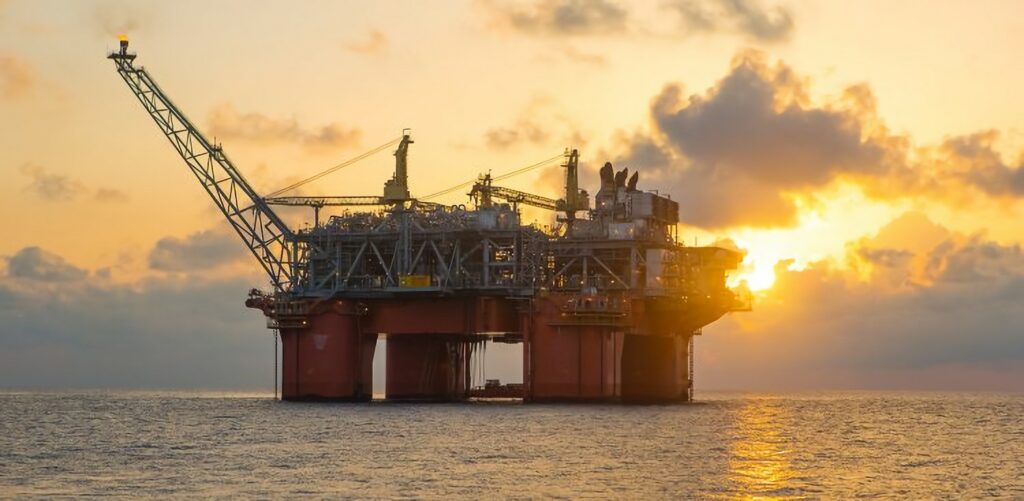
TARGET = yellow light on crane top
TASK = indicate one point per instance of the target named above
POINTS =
(122, 38)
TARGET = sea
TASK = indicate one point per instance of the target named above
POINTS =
(726, 446)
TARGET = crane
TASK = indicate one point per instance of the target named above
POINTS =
(263, 231)
(396, 189)
(484, 191)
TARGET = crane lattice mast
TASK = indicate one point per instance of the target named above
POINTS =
(264, 233)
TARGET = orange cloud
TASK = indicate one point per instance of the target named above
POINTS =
(734, 154)
(564, 18)
(228, 123)
(540, 122)
(52, 187)
(17, 77)
(110, 195)
(743, 152)
(923, 253)
(199, 251)
(62, 188)
(932, 299)
(737, 16)
(35, 264)
(561, 17)
(973, 160)
(524, 130)
(575, 55)
(375, 43)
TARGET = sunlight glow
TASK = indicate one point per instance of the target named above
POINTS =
(760, 463)
(826, 224)
(756, 274)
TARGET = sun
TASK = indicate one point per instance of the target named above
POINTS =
(759, 278)
(825, 224)
(756, 272)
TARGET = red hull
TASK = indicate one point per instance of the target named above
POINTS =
(572, 352)
(330, 359)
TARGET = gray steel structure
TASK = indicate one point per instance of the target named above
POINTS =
(606, 303)
(626, 243)
(432, 249)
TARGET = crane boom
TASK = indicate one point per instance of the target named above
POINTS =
(264, 233)
(326, 201)
(483, 192)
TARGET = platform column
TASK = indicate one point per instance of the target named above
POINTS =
(428, 367)
(569, 362)
(655, 369)
(327, 359)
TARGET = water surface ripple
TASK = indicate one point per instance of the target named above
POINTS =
(732, 445)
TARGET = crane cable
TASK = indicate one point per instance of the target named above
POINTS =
(336, 168)
(497, 178)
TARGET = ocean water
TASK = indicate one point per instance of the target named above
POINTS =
(730, 445)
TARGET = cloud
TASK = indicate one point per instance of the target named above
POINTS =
(53, 187)
(524, 130)
(33, 263)
(149, 334)
(541, 123)
(538, 123)
(973, 160)
(199, 251)
(750, 125)
(975, 260)
(944, 317)
(913, 251)
(375, 43)
(566, 18)
(746, 151)
(61, 188)
(17, 77)
(735, 16)
(574, 55)
(111, 195)
(561, 17)
(228, 123)
(737, 154)
(642, 150)
(912, 231)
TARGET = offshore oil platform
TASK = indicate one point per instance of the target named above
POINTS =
(606, 303)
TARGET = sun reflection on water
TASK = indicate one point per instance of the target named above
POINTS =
(760, 466)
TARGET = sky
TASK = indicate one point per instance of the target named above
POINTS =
(866, 156)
